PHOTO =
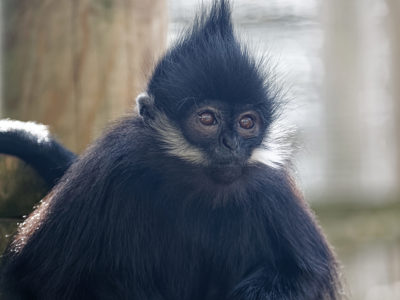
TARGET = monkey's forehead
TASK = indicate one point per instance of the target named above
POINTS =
(198, 79)
(221, 71)
(192, 104)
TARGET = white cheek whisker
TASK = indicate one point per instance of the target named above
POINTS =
(175, 143)
(277, 147)
(171, 138)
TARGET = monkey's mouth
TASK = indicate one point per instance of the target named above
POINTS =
(225, 173)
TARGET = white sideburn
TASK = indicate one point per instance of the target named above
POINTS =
(173, 141)
(38, 131)
(277, 147)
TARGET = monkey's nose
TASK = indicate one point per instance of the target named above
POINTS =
(230, 142)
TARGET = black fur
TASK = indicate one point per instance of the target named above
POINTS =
(130, 221)
(209, 63)
(47, 157)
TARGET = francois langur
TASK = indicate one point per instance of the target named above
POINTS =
(189, 198)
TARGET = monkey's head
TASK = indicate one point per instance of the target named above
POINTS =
(210, 102)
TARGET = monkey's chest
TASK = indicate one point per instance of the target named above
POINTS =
(205, 254)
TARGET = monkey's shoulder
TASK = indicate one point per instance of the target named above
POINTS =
(126, 139)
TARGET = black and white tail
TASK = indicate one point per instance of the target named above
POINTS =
(33, 143)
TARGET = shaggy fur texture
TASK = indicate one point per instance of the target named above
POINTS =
(137, 216)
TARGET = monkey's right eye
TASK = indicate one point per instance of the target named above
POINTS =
(207, 118)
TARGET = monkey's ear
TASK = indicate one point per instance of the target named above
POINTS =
(145, 106)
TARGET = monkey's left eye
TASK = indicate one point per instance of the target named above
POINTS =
(247, 122)
(207, 118)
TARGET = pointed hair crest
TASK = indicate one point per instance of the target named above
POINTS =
(218, 20)
(207, 62)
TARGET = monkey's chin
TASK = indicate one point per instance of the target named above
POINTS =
(225, 174)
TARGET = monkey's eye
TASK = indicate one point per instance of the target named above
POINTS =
(246, 122)
(207, 118)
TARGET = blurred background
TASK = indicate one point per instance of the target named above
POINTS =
(75, 65)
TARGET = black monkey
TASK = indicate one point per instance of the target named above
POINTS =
(188, 200)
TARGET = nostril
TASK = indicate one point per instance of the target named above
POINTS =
(229, 143)
(225, 142)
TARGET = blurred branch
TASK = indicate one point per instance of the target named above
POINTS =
(342, 84)
(394, 33)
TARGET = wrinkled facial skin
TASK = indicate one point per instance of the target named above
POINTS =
(227, 135)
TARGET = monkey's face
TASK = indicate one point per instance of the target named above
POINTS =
(226, 136)
(221, 138)
(213, 105)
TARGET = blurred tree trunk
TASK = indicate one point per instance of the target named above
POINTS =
(73, 65)
(394, 34)
(77, 64)
(342, 78)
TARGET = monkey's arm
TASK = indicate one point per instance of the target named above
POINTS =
(303, 266)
